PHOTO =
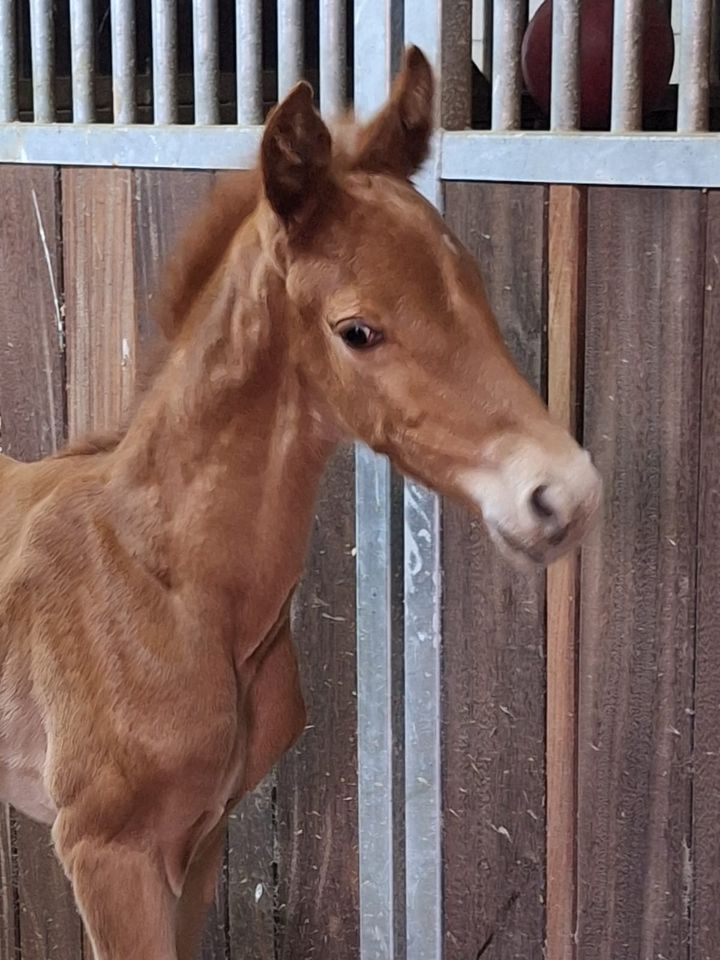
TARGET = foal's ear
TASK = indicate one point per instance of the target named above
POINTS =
(397, 140)
(295, 158)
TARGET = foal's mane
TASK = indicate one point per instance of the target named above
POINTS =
(203, 244)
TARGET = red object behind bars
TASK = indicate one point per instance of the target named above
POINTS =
(596, 30)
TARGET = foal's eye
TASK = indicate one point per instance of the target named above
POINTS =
(359, 336)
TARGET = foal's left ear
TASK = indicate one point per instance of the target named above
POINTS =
(397, 140)
(295, 158)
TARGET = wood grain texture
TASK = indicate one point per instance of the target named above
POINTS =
(646, 250)
(101, 322)
(31, 407)
(317, 840)
(566, 305)
(164, 202)
(493, 639)
(706, 746)
(31, 361)
(251, 875)
(8, 887)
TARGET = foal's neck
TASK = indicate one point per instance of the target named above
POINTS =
(226, 451)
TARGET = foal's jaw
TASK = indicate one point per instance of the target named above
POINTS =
(537, 505)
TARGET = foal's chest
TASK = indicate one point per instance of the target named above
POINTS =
(23, 749)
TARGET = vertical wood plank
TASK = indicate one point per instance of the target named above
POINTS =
(566, 296)
(493, 636)
(251, 875)
(317, 841)
(642, 396)
(706, 746)
(164, 201)
(8, 887)
(31, 407)
(100, 296)
(31, 360)
(101, 323)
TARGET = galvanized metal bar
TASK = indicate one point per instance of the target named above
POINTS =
(564, 83)
(422, 614)
(333, 63)
(8, 62)
(164, 52)
(290, 44)
(657, 159)
(248, 15)
(508, 27)
(626, 110)
(374, 703)
(694, 81)
(373, 52)
(423, 719)
(42, 49)
(122, 26)
(111, 145)
(206, 61)
(82, 51)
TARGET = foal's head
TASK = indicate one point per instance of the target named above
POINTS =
(389, 331)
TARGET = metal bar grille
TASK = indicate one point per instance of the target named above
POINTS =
(627, 66)
(332, 57)
(694, 66)
(206, 61)
(164, 29)
(122, 24)
(249, 61)
(8, 62)
(508, 26)
(565, 94)
(82, 45)
(290, 45)
(43, 60)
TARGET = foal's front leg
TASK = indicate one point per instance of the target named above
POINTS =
(122, 893)
(198, 893)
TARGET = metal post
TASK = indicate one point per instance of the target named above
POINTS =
(206, 66)
(43, 60)
(290, 45)
(8, 63)
(122, 25)
(508, 27)
(373, 51)
(626, 112)
(693, 92)
(249, 62)
(332, 57)
(565, 95)
(164, 53)
(424, 22)
(82, 49)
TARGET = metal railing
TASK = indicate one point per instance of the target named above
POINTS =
(31, 131)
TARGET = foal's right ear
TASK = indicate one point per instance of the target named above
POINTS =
(295, 158)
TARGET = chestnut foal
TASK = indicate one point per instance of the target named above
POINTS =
(148, 673)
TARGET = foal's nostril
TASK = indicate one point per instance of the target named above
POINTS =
(540, 504)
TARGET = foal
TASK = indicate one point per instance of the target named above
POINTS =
(148, 673)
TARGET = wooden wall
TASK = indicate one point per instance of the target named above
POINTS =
(591, 819)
